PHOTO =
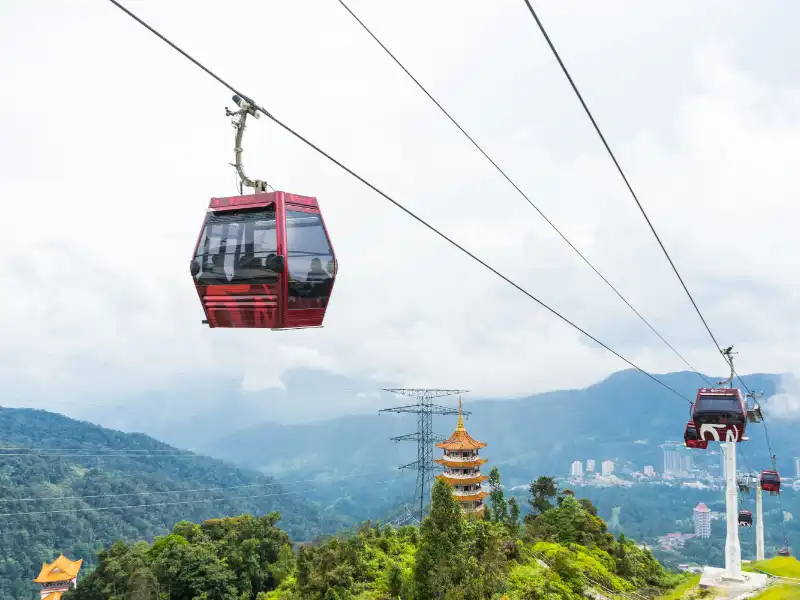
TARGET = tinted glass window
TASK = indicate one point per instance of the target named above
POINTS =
(718, 404)
(310, 261)
(234, 247)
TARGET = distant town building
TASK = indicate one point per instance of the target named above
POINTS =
(702, 521)
(797, 466)
(462, 467)
(577, 469)
(58, 577)
(676, 461)
(590, 465)
(607, 468)
(649, 471)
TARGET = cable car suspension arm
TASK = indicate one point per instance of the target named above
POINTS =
(728, 355)
(246, 107)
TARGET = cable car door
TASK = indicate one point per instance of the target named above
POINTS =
(310, 265)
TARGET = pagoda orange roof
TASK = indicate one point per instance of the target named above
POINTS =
(461, 440)
(472, 497)
(53, 596)
(461, 480)
(61, 569)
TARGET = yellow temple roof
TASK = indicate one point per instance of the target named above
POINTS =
(461, 440)
(61, 569)
(53, 596)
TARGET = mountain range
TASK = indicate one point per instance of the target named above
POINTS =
(72, 487)
(624, 418)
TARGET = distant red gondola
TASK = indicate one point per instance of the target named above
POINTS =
(770, 481)
(784, 552)
(745, 518)
(264, 261)
(692, 438)
(720, 414)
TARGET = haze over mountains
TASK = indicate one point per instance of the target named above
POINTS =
(527, 436)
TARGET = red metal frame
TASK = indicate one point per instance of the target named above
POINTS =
(773, 487)
(720, 431)
(693, 443)
(263, 305)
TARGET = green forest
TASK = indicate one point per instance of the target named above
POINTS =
(560, 550)
(61, 479)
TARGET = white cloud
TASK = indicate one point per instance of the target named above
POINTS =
(111, 145)
(785, 405)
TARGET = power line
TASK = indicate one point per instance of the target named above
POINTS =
(619, 169)
(112, 455)
(519, 190)
(188, 490)
(175, 503)
(387, 197)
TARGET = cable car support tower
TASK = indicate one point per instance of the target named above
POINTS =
(424, 436)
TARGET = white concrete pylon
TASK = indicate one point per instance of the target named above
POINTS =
(733, 551)
(759, 523)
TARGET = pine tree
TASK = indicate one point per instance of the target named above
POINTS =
(499, 506)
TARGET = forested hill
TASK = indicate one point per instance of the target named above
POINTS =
(560, 551)
(61, 478)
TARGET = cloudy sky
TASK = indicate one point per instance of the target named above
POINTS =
(111, 145)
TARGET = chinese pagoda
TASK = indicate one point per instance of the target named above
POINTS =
(462, 467)
(58, 577)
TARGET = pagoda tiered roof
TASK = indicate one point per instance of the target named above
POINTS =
(461, 440)
(61, 569)
(460, 463)
(463, 480)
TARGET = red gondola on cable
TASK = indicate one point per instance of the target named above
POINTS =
(745, 518)
(770, 481)
(263, 260)
(784, 552)
(692, 438)
(720, 414)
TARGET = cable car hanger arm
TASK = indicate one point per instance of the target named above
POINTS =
(246, 107)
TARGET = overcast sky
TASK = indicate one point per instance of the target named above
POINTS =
(111, 145)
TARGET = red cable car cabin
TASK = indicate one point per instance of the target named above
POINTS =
(720, 414)
(264, 261)
(784, 552)
(770, 481)
(692, 439)
(745, 518)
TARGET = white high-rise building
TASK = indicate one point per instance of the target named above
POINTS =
(797, 466)
(577, 469)
(590, 465)
(686, 463)
(607, 468)
(672, 461)
(649, 471)
(702, 521)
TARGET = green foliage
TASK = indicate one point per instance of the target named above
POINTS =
(543, 490)
(563, 552)
(126, 478)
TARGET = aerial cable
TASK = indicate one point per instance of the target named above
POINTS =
(622, 173)
(519, 190)
(170, 503)
(190, 490)
(389, 198)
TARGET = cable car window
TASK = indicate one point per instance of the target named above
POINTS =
(718, 404)
(234, 247)
(309, 259)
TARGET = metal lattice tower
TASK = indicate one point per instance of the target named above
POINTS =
(424, 436)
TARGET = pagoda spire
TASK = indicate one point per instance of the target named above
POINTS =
(460, 424)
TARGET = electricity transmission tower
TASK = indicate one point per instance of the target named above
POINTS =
(424, 408)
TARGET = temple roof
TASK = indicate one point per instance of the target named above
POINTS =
(53, 596)
(461, 440)
(61, 569)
